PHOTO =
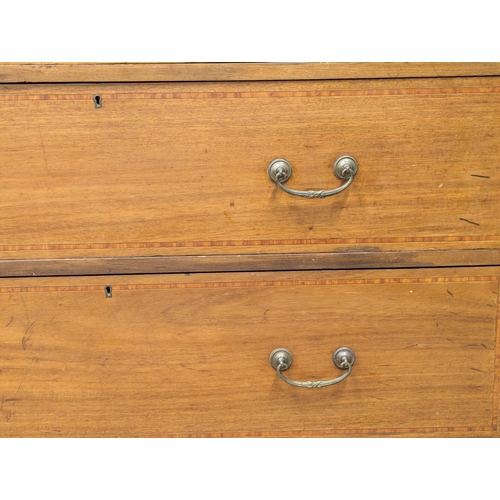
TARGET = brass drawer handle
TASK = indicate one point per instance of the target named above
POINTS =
(281, 359)
(346, 167)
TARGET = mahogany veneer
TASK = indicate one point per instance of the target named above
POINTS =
(168, 176)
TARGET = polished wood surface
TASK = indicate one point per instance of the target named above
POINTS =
(163, 195)
(171, 173)
(181, 355)
(140, 72)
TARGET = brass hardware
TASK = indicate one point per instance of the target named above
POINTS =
(97, 100)
(281, 359)
(346, 167)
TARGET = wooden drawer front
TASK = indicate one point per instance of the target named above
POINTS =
(158, 172)
(188, 355)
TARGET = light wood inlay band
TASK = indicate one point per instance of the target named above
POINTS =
(333, 432)
(252, 95)
(243, 243)
(242, 284)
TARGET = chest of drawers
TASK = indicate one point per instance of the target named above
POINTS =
(151, 258)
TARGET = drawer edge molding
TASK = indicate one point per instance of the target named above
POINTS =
(46, 72)
(17, 268)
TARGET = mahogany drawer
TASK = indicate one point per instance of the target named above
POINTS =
(179, 355)
(181, 169)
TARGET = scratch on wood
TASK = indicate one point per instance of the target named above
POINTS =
(11, 318)
(478, 370)
(44, 156)
(26, 374)
(29, 327)
(469, 221)
(452, 341)
(25, 309)
(481, 176)
(435, 70)
(25, 337)
(8, 413)
(450, 293)
(229, 218)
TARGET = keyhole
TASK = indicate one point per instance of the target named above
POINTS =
(108, 289)
(98, 101)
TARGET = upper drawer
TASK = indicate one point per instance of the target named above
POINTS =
(183, 168)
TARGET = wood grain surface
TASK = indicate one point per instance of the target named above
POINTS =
(181, 355)
(169, 177)
(174, 173)
(140, 72)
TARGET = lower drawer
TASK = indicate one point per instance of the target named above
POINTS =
(188, 355)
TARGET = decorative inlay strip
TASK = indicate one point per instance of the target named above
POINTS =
(242, 284)
(326, 432)
(250, 95)
(243, 243)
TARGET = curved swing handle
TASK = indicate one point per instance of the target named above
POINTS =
(280, 170)
(281, 359)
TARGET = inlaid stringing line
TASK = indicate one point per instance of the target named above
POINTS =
(242, 284)
(252, 95)
(243, 243)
